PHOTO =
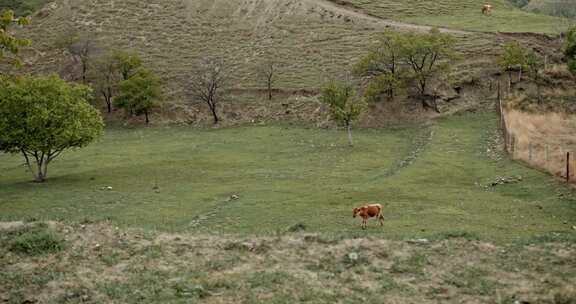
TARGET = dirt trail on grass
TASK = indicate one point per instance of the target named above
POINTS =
(357, 14)
(418, 146)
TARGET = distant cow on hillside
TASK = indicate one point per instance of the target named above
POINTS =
(368, 211)
(487, 9)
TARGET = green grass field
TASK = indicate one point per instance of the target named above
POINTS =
(461, 14)
(431, 181)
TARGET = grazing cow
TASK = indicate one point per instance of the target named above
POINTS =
(368, 211)
(487, 9)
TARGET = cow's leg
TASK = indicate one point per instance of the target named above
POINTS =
(381, 219)
(364, 223)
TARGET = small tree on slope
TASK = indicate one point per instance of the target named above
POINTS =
(514, 56)
(41, 117)
(345, 107)
(140, 93)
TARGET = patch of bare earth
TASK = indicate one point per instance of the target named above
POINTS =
(103, 264)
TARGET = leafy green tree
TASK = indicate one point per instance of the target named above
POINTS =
(127, 62)
(140, 93)
(427, 55)
(9, 44)
(41, 117)
(570, 49)
(513, 57)
(380, 85)
(345, 106)
(382, 66)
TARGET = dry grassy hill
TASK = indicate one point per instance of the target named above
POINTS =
(313, 40)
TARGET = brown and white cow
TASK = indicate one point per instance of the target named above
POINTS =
(368, 211)
(487, 9)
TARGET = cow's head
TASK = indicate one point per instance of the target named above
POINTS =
(356, 210)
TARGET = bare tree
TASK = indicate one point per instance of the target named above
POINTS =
(209, 82)
(267, 73)
(105, 78)
(81, 46)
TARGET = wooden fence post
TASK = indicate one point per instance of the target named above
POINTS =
(567, 167)
(546, 152)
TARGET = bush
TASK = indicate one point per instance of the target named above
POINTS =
(36, 241)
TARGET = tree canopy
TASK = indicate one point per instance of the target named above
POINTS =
(345, 106)
(140, 93)
(513, 57)
(427, 55)
(40, 117)
(9, 44)
(402, 58)
(570, 49)
(127, 62)
(382, 66)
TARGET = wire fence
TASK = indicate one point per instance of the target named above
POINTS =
(544, 141)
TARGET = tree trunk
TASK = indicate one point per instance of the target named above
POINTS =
(269, 91)
(422, 88)
(349, 129)
(41, 170)
(520, 74)
(214, 114)
(391, 92)
(147, 118)
(109, 100)
(84, 70)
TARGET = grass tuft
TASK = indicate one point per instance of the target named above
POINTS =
(36, 240)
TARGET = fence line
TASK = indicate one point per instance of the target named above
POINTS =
(538, 151)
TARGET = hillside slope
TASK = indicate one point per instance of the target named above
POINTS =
(314, 40)
(311, 42)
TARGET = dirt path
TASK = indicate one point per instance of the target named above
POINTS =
(418, 146)
(357, 14)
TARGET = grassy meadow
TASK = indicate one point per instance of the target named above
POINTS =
(461, 14)
(431, 180)
(262, 212)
